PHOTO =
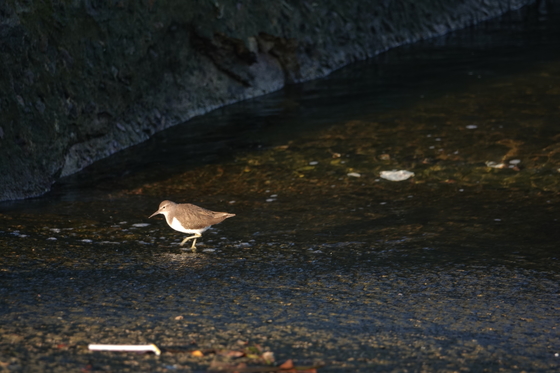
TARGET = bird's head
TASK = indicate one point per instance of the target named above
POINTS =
(163, 208)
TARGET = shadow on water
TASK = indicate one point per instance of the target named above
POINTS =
(325, 261)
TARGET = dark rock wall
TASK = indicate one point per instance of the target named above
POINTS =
(81, 80)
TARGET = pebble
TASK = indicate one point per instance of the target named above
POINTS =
(140, 225)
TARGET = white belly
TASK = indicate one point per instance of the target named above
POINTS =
(175, 224)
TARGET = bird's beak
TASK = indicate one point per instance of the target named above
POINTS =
(155, 213)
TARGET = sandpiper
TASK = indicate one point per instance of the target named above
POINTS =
(188, 218)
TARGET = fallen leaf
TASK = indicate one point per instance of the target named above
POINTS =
(288, 364)
(197, 353)
(232, 353)
(254, 350)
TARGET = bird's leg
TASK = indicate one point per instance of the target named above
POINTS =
(196, 235)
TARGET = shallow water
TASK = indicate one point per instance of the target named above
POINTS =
(325, 262)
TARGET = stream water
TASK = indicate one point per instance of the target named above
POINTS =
(325, 262)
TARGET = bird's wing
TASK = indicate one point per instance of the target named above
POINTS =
(201, 217)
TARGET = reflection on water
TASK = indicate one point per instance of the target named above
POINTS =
(325, 261)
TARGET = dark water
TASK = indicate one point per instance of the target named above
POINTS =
(455, 269)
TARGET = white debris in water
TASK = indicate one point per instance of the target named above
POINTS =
(270, 199)
(122, 222)
(497, 219)
(231, 202)
(208, 250)
(396, 175)
(55, 230)
(140, 225)
(51, 239)
(515, 161)
(471, 127)
(87, 240)
(313, 163)
(137, 348)
(354, 174)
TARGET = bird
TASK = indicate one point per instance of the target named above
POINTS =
(189, 218)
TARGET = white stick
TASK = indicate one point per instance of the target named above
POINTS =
(151, 347)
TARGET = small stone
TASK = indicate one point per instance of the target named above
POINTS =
(495, 165)
(140, 225)
(385, 157)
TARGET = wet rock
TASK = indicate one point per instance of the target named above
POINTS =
(80, 83)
